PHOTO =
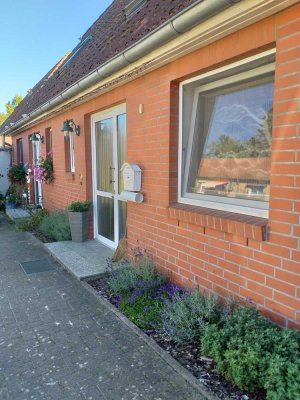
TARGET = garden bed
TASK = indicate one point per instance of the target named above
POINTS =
(47, 227)
(188, 356)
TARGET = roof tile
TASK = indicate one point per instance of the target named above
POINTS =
(111, 34)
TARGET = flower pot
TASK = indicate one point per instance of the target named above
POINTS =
(10, 206)
(79, 224)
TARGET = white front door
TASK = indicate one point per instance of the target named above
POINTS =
(109, 153)
(38, 192)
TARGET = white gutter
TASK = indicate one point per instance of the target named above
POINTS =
(179, 24)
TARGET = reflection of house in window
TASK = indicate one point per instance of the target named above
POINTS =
(234, 177)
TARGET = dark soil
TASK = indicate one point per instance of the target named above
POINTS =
(188, 356)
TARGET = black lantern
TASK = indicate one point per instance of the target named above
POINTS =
(67, 128)
(36, 137)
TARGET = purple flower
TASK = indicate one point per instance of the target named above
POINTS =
(135, 295)
(169, 289)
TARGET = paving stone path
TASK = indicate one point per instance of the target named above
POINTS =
(57, 342)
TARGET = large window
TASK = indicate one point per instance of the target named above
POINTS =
(226, 134)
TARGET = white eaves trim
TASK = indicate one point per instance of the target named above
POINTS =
(239, 15)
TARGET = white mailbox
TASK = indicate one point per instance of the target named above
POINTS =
(132, 177)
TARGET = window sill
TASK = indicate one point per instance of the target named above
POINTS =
(244, 226)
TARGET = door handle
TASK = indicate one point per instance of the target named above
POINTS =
(111, 172)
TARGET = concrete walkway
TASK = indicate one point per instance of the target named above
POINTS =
(58, 342)
(83, 260)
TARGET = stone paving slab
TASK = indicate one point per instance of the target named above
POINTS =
(16, 214)
(83, 260)
(57, 342)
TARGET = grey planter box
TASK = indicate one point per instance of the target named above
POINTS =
(79, 224)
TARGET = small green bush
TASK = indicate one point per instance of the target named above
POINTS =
(238, 346)
(186, 315)
(282, 380)
(249, 351)
(55, 227)
(132, 277)
(2, 202)
(143, 311)
(144, 308)
(33, 223)
(14, 194)
(17, 174)
(79, 206)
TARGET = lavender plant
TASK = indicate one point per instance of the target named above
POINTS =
(187, 313)
(128, 277)
(144, 307)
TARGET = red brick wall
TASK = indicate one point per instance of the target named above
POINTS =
(218, 252)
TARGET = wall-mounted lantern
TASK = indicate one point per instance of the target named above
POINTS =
(69, 126)
(37, 137)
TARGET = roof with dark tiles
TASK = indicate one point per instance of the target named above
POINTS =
(111, 34)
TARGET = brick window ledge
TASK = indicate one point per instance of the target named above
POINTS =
(244, 226)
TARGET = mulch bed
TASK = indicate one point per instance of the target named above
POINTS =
(188, 356)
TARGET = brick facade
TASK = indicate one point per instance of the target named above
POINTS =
(233, 255)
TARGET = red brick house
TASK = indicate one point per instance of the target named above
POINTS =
(205, 97)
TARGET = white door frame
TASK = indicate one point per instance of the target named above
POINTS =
(38, 189)
(106, 114)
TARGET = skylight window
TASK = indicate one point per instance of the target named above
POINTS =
(133, 7)
(77, 51)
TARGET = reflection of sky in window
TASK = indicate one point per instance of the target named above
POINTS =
(240, 113)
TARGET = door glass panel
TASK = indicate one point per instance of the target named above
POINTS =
(106, 217)
(104, 149)
(122, 219)
(121, 124)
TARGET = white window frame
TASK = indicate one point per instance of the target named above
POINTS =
(241, 206)
(72, 152)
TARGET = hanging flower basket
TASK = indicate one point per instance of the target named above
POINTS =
(43, 170)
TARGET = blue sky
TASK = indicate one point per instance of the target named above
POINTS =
(35, 34)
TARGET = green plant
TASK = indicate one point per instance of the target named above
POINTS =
(131, 277)
(12, 198)
(186, 314)
(55, 227)
(144, 307)
(43, 170)
(143, 311)
(2, 202)
(282, 380)
(35, 220)
(17, 174)
(14, 194)
(79, 206)
(252, 353)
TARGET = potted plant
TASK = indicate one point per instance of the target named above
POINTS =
(11, 201)
(79, 220)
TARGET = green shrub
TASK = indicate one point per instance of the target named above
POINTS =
(143, 311)
(186, 314)
(239, 346)
(79, 206)
(144, 308)
(131, 277)
(283, 374)
(249, 351)
(2, 202)
(17, 174)
(14, 194)
(55, 227)
(35, 220)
